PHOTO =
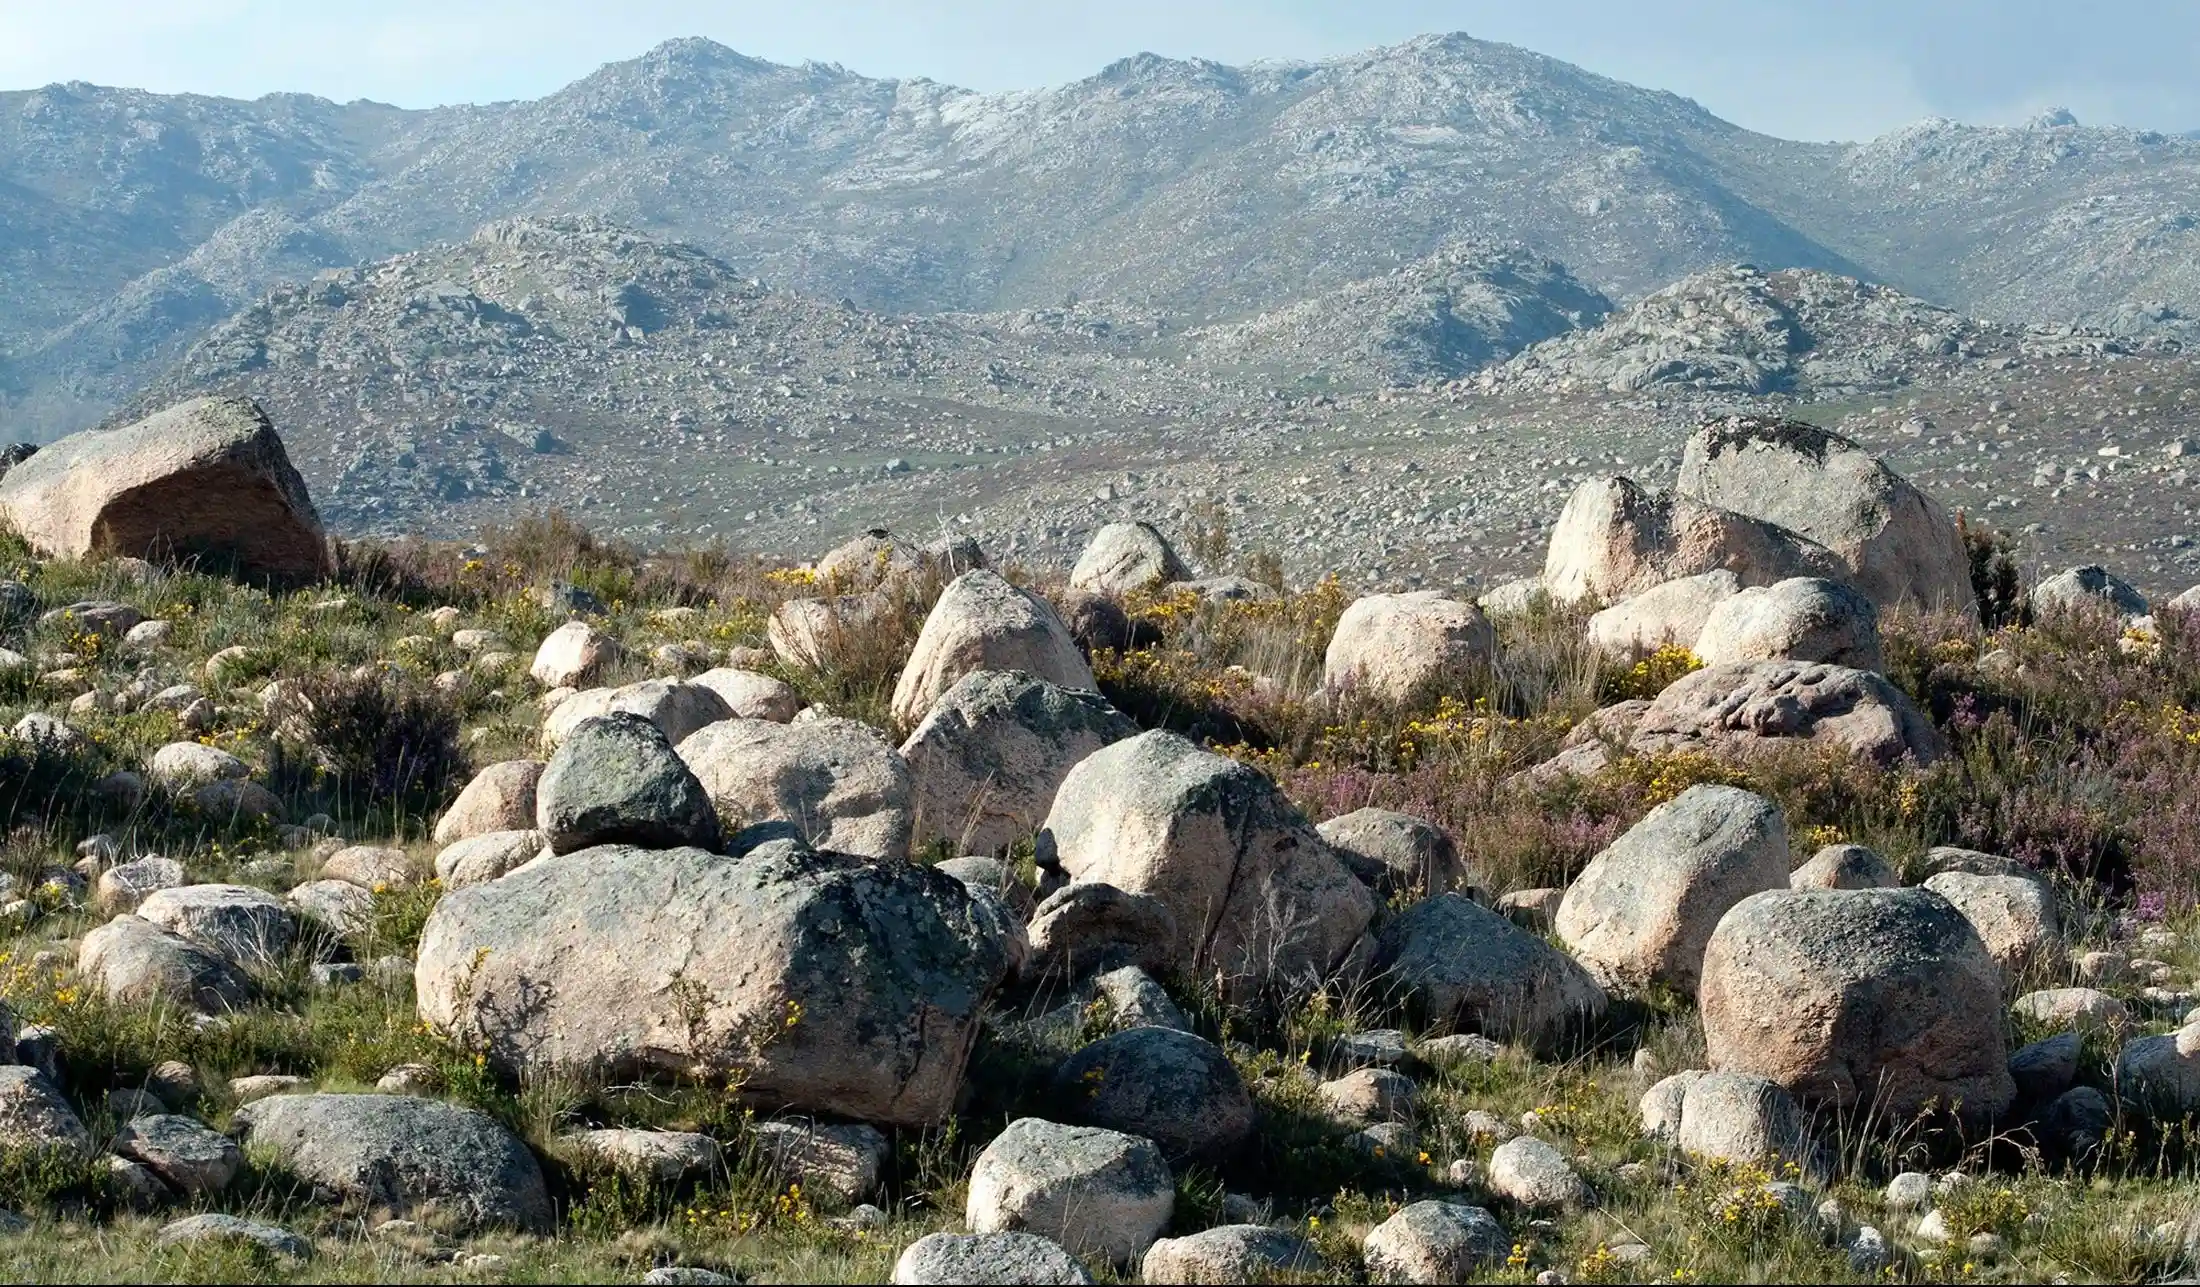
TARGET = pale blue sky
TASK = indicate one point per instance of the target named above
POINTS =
(1799, 68)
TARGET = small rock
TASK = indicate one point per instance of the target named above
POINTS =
(1536, 1175)
(213, 1227)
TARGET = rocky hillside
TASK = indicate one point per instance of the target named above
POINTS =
(1437, 318)
(1214, 192)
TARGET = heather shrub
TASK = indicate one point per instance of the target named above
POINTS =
(367, 740)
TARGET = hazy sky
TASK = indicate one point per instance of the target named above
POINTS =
(1800, 68)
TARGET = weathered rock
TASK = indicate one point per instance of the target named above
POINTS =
(1096, 1192)
(677, 709)
(1614, 539)
(1745, 1119)
(2090, 587)
(867, 980)
(1134, 1000)
(2081, 1009)
(844, 1161)
(121, 888)
(1641, 911)
(1435, 1242)
(1122, 557)
(372, 867)
(1255, 892)
(34, 1116)
(215, 1227)
(572, 655)
(1532, 1173)
(1895, 543)
(991, 752)
(340, 905)
(500, 798)
(1668, 614)
(400, 1154)
(1844, 867)
(1393, 852)
(835, 779)
(1942, 858)
(982, 623)
(809, 633)
(872, 559)
(1230, 1253)
(1466, 967)
(1459, 1050)
(2162, 1073)
(132, 961)
(232, 799)
(1884, 996)
(954, 1259)
(1368, 1095)
(205, 480)
(182, 766)
(1744, 705)
(485, 857)
(181, 1151)
(1098, 623)
(1401, 647)
(2077, 1124)
(247, 1089)
(1091, 925)
(617, 780)
(1800, 619)
(749, 695)
(2014, 916)
(246, 925)
(2047, 1067)
(1175, 1088)
(1661, 1105)
(663, 1158)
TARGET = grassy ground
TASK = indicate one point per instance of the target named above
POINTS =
(2076, 744)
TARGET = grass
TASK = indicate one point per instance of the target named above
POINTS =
(2075, 743)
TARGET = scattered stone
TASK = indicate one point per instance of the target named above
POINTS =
(1369, 1095)
(868, 979)
(1123, 557)
(1532, 1173)
(1745, 1119)
(2162, 1072)
(1402, 647)
(1641, 912)
(982, 623)
(215, 1227)
(181, 1151)
(2047, 1067)
(410, 1079)
(749, 695)
(186, 766)
(1466, 967)
(1800, 619)
(1254, 890)
(677, 709)
(121, 888)
(1460, 1050)
(34, 1116)
(1671, 614)
(958, 1258)
(1393, 852)
(1090, 925)
(1844, 867)
(404, 1155)
(247, 1089)
(1096, 1192)
(2014, 916)
(1435, 1242)
(247, 926)
(991, 751)
(2092, 586)
(133, 961)
(500, 798)
(1374, 1048)
(572, 655)
(835, 779)
(617, 780)
(2084, 1009)
(486, 857)
(1613, 539)
(1134, 1000)
(1172, 1087)
(371, 867)
(844, 1161)
(1230, 1253)
(663, 1158)
(205, 480)
(1881, 996)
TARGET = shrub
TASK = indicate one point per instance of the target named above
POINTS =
(369, 740)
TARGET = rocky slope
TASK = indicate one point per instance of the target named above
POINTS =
(135, 221)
